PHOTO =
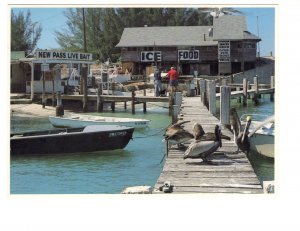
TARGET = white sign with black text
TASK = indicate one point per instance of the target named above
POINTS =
(224, 51)
(188, 55)
(45, 54)
(150, 56)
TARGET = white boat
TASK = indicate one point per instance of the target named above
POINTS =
(261, 134)
(79, 120)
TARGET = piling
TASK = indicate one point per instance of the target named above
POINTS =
(256, 93)
(198, 87)
(175, 113)
(99, 100)
(202, 90)
(84, 83)
(144, 104)
(53, 94)
(171, 103)
(212, 98)
(225, 105)
(245, 90)
(248, 87)
(43, 91)
(132, 102)
(59, 108)
(272, 86)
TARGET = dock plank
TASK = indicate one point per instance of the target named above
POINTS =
(228, 171)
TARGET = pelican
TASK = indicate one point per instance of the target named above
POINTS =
(240, 135)
(242, 139)
(175, 134)
(200, 134)
(204, 149)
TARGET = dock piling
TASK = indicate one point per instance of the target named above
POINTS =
(245, 90)
(225, 105)
(85, 98)
(212, 97)
(132, 102)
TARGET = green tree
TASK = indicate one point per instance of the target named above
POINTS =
(24, 33)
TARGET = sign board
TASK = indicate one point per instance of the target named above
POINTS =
(224, 51)
(45, 67)
(188, 55)
(45, 54)
(150, 56)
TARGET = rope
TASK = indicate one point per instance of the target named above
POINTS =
(154, 134)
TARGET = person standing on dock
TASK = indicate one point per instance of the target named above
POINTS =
(173, 76)
(157, 82)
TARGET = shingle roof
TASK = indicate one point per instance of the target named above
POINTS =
(166, 36)
(232, 27)
(227, 27)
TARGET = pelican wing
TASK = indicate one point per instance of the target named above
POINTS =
(200, 148)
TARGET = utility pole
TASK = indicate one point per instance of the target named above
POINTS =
(32, 45)
(84, 33)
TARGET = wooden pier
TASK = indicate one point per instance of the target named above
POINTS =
(228, 172)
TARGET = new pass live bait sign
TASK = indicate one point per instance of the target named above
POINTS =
(63, 55)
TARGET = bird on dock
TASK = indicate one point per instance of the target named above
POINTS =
(204, 149)
(200, 134)
(240, 134)
(176, 134)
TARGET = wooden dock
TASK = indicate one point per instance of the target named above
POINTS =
(229, 172)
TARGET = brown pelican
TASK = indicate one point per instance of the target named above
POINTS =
(175, 134)
(242, 139)
(200, 134)
(240, 135)
(204, 149)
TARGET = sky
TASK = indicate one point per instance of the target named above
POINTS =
(260, 21)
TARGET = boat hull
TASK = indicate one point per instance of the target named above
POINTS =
(81, 121)
(263, 144)
(70, 141)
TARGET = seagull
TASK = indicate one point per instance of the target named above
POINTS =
(200, 134)
(204, 149)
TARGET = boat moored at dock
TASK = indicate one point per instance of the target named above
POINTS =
(71, 140)
(79, 120)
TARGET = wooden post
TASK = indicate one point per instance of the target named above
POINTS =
(171, 102)
(32, 82)
(255, 96)
(245, 90)
(272, 84)
(43, 91)
(84, 81)
(59, 108)
(112, 88)
(113, 106)
(175, 113)
(198, 87)
(202, 90)
(212, 98)
(177, 98)
(144, 104)
(207, 94)
(225, 105)
(125, 105)
(53, 94)
(99, 100)
(132, 102)
(248, 87)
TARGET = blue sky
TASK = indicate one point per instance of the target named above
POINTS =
(53, 19)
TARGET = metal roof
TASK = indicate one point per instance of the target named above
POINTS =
(227, 27)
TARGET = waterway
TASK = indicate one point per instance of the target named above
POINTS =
(111, 171)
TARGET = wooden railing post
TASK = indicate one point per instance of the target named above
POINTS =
(245, 90)
(171, 103)
(175, 113)
(84, 79)
(225, 105)
(212, 97)
(202, 90)
(133, 102)
(177, 98)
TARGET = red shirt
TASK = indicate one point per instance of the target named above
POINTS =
(173, 74)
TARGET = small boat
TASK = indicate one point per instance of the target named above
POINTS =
(78, 120)
(261, 135)
(71, 140)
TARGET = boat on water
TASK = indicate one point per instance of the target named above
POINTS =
(261, 134)
(79, 120)
(71, 140)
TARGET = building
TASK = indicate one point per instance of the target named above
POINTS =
(226, 47)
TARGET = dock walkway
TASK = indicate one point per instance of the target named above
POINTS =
(229, 172)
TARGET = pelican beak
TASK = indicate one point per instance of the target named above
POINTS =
(246, 129)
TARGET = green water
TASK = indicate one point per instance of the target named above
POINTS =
(110, 171)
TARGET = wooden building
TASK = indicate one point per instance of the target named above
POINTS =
(226, 47)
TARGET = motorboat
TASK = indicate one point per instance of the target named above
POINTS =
(71, 140)
(261, 134)
(81, 120)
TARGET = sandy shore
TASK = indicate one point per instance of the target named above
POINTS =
(35, 110)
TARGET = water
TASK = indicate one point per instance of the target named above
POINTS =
(110, 171)
(97, 172)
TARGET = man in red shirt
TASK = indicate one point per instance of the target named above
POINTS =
(173, 76)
